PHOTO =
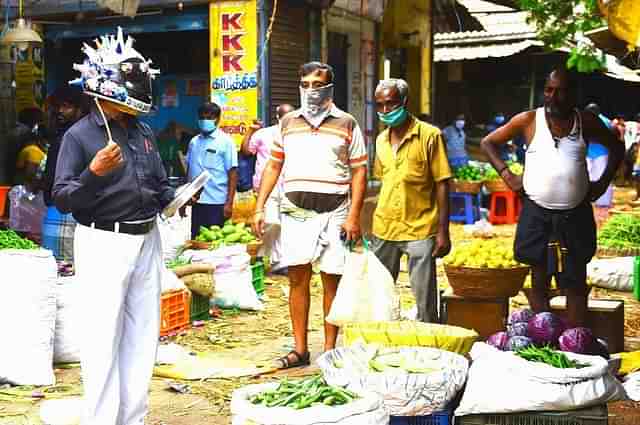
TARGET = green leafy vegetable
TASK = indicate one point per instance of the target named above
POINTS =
(11, 240)
(620, 231)
(548, 355)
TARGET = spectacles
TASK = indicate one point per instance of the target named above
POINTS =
(313, 84)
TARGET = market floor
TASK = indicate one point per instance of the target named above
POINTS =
(258, 337)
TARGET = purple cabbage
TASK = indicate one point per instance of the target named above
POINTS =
(518, 342)
(518, 329)
(545, 328)
(520, 316)
(498, 340)
(577, 340)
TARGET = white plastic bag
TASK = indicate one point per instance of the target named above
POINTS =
(404, 394)
(234, 287)
(174, 232)
(65, 411)
(26, 210)
(170, 282)
(28, 315)
(612, 273)
(367, 410)
(502, 382)
(66, 347)
(366, 292)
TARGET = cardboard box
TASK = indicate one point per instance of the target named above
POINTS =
(484, 315)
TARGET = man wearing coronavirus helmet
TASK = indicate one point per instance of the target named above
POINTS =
(110, 177)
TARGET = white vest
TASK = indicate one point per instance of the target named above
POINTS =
(555, 174)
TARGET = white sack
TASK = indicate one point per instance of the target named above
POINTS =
(234, 287)
(367, 410)
(502, 382)
(174, 232)
(404, 394)
(632, 386)
(68, 334)
(170, 282)
(28, 315)
(612, 273)
(366, 292)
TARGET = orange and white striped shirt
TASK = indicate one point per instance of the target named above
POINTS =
(319, 160)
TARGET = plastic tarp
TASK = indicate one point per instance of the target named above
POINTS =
(404, 393)
(411, 334)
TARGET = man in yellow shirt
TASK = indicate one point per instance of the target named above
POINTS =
(30, 159)
(412, 215)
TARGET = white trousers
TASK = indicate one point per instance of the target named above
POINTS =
(120, 280)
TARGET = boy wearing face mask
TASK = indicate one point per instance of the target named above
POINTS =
(455, 136)
(214, 151)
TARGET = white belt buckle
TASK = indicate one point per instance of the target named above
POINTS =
(116, 227)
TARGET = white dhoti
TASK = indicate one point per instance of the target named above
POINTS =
(596, 167)
(272, 246)
(120, 280)
(308, 237)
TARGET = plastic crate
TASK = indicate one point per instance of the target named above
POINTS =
(199, 307)
(175, 307)
(257, 277)
(437, 418)
(592, 416)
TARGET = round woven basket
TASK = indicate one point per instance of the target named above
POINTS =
(465, 186)
(486, 283)
(496, 186)
(200, 283)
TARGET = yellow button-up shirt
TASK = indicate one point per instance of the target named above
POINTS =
(407, 209)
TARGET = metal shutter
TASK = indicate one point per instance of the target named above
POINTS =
(289, 50)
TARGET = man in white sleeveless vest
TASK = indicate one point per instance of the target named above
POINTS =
(556, 232)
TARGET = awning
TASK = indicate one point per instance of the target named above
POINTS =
(481, 51)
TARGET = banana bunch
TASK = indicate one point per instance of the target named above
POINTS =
(481, 253)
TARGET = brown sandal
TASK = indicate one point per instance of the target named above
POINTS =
(300, 360)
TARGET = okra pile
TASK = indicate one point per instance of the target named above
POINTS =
(308, 392)
(11, 240)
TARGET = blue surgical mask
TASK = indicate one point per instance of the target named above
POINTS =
(459, 124)
(207, 126)
(394, 118)
(499, 119)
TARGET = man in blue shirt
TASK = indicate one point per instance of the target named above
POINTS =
(214, 151)
(455, 137)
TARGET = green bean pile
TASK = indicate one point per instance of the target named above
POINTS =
(305, 393)
(548, 356)
(620, 231)
(11, 240)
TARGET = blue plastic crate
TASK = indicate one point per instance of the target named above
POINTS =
(443, 417)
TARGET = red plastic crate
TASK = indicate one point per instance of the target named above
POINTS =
(175, 312)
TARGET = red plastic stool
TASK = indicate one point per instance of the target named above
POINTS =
(505, 208)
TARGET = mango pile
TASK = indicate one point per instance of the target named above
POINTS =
(229, 234)
(483, 254)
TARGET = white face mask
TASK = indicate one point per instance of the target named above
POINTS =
(316, 104)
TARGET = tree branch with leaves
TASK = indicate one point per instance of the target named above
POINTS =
(561, 24)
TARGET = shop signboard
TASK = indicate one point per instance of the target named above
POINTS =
(233, 33)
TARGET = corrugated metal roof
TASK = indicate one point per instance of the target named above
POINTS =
(481, 51)
(506, 32)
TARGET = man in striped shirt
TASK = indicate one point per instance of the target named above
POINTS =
(323, 156)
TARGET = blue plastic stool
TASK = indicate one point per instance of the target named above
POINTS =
(462, 208)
